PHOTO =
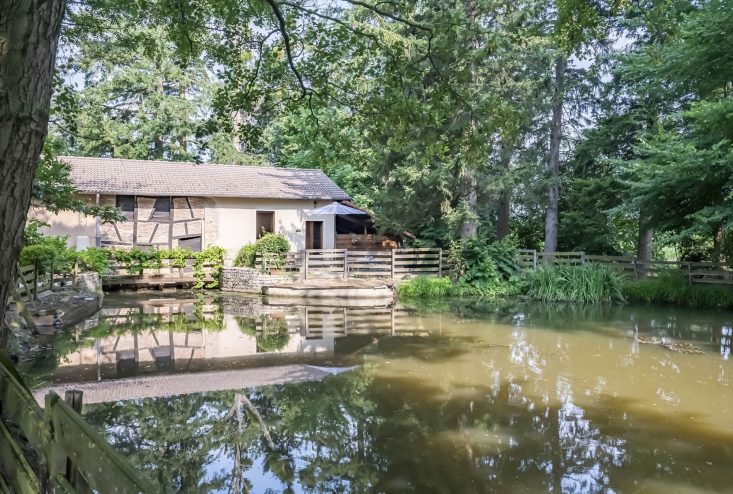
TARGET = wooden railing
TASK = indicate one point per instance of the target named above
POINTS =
(54, 449)
(695, 272)
(343, 263)
(121, 274)
(32, 280)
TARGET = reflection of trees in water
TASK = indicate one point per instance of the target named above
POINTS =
(357, 432)
(273, 334)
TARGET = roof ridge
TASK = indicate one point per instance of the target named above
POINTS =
(206, 163)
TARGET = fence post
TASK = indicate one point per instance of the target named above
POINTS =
(305, 264)
(51, 275)
(440, 262)
(636, 272)
(689, 273)
(534, 259)
(346, 263)
(391, 271)
(582, 257)
(35, 280)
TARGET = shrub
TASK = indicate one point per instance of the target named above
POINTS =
(272, 243)
(674, 289)
(590, 283)
(94, 259)
(246, 256)
(478, 261)
(48, 250)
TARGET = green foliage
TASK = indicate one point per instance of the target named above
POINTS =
(246, 256)
(478, 261)
(54, 191)
(32, 233)
(136, 260)
(48, 251)
(269, 243)
(211, 257)
(438, 288)
(674, 289)
(424, 287)
(178, 256)
(585, 283)
(94, 259)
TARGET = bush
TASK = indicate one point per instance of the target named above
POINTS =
(674, 289)
(94, 259)
(48, 250)
(246, 256)
(589, 283)
(272, 243)
(478, 261)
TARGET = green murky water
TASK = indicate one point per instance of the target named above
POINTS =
(472, 398)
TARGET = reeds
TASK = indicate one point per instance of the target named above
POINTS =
(585, 283)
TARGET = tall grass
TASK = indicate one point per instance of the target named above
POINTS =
(424, 287)
(435, 288)
(674, 289)
(586, 283)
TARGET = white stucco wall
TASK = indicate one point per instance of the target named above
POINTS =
(231, 223)
(68, 223)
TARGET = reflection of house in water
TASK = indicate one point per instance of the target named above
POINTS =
(175, 335)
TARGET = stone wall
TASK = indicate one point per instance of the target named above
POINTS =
(249, 280)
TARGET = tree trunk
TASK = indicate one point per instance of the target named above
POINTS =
(29, 33)
(502, 213)
(470, 223)
(553, 161)
(718, 241)
(644, 246)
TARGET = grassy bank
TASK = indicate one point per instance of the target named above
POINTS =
(674, 289)
(588, 283)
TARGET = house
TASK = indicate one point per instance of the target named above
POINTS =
(171, 204)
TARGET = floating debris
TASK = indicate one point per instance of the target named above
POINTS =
(672, 345)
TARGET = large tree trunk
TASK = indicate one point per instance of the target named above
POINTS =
(553, 161)
(469, 228)
(644, 246)
(29, 33)
(502, 210)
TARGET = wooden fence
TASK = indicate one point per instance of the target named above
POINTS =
(32, 279)
(55, 449)
(695, 272)
(343, 263)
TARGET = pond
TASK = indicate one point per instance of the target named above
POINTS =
(223, 393)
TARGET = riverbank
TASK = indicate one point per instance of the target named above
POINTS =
(578, 284)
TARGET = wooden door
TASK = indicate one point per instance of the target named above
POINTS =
(313, 234)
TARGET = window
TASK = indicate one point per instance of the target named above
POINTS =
(127, 206)
(265, 222)
(193, 243)
(162, 209)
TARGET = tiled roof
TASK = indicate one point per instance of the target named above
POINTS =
(174, 178)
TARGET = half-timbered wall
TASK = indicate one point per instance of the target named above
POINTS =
(157, 222)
